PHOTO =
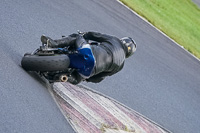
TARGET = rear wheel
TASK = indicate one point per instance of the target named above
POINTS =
(45, 63)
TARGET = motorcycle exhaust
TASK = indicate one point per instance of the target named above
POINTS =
(63, 78)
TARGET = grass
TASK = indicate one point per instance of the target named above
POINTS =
(179, 19)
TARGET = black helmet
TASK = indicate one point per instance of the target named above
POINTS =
(130, 45)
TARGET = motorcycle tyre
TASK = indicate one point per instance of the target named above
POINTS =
(45, 63)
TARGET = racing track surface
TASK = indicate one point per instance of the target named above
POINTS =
(197, 2)
(161, 81)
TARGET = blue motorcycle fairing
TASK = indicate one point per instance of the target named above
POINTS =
(83, 61)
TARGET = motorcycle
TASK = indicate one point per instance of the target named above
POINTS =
(53, 63)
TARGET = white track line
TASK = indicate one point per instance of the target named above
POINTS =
(79, 105)
(157, 29)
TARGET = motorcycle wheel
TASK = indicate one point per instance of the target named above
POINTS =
(45, 63)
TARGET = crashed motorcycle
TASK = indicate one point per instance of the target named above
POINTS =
(58, 64)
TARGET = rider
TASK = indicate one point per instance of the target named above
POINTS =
(106, 58)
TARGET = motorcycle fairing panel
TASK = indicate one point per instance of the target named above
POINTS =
(83, 60)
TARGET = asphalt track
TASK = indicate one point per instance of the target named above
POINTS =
(197, 2)
(161, 81)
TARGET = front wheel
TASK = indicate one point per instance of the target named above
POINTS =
(45, 63)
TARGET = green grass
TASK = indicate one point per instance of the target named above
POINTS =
(179, 19)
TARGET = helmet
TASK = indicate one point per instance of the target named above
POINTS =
(130, 45)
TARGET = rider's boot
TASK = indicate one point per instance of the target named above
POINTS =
(61, 43)
(65, 41)
(75, 78)
(49, 41)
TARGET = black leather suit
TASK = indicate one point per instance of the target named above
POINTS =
(109, 54)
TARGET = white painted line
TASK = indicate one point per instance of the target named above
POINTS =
(115, 111)
(78, 105)
(89, 111)
(124, 106)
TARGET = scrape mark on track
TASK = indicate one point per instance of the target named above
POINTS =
(90, 112)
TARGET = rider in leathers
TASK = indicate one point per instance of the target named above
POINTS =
(109, 53)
